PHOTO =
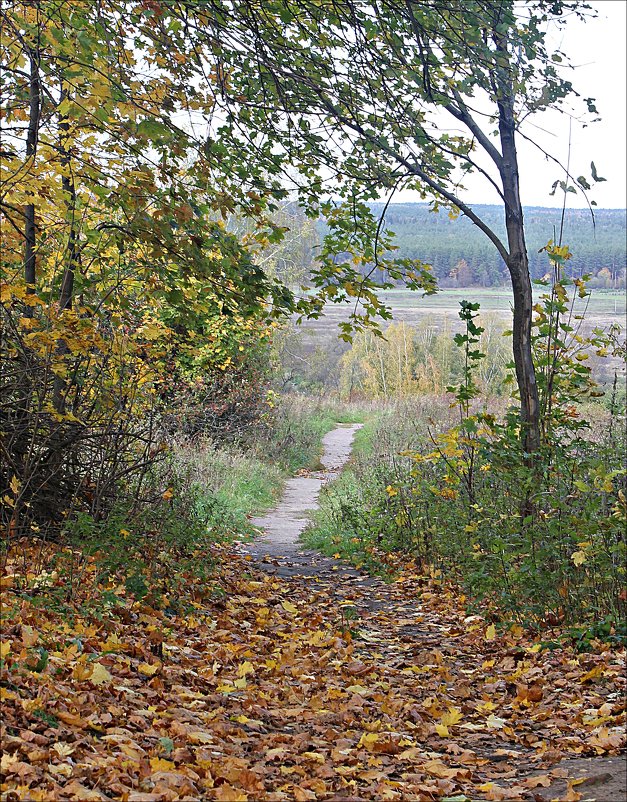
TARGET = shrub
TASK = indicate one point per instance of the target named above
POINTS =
(542, 537)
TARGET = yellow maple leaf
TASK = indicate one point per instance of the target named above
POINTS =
(442, 730)
(289, 607)
(113, 644)
(316, 638)
(160, 764)
(5, 648)
(245, 668)
(452, 716)
(490, 633)
(595, 672)
(578, 557)
(147, 669)
(100, 675)
(368, 740)
(316, 757)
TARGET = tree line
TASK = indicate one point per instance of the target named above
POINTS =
(597, 243)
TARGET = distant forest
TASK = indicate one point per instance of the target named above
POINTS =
(461, 255)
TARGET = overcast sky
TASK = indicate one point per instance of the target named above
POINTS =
(597, 47)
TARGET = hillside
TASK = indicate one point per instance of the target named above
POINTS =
(443, 243)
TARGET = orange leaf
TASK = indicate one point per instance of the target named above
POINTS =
(226, 793)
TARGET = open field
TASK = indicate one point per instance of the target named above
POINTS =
(609, 303)
(440, 312)
(602, 308)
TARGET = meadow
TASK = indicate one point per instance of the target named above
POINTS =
(602, 307)
(310, 353)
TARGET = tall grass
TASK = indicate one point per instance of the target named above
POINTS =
(422, 486)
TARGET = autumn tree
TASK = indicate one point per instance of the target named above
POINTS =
(365, 94)
(120, 176)
(119, 275)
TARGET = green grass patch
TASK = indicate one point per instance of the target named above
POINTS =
(293, 433)
(234, 481)
(336, 532)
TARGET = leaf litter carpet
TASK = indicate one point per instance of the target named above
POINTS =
(294, 677)
(271, 690)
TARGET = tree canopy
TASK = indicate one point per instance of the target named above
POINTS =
(356, 92)
(135, 132)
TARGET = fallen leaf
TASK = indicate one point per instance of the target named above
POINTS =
(199, 737)
(148, 669)
(63, 750)
(78, 791)
(226, 793)
(29, 636)
(316, 757)
(100, 675)
(571, 795)
(494, 722)
(439, 769)
(160, 764)
(245, 668)
(595, 672)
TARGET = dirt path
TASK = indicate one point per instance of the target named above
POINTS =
(408, 629)
(284, 676)
(279, 550)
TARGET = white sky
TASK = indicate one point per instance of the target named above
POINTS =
(597, 47)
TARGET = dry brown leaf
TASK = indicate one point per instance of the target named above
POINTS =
(226, 793)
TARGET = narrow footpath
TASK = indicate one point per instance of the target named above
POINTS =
(481, 716)
(278, 550)
(284, 676)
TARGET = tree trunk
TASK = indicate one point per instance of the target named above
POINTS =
(523, 359)
(518, 261)
(67, 285)
(32, 135)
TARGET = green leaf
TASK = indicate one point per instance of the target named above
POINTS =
(43, 660)
(595, 175)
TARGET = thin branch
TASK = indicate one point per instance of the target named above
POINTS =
(462, 114)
